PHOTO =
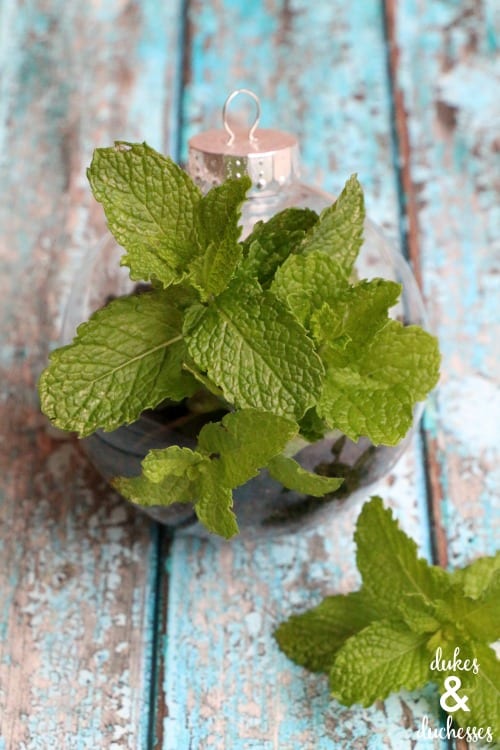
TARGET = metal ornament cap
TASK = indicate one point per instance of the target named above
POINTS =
(269, 157)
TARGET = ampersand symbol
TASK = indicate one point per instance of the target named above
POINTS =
(452, 684)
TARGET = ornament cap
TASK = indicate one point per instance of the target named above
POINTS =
(269, 157)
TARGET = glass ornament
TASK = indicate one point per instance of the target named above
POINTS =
(262, 505)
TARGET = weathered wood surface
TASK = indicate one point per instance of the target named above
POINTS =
(450, 101)
(81, 593)
(78, 568)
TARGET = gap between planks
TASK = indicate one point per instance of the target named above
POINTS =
(410, 237)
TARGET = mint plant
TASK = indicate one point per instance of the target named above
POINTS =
(410, 623)
(275, 328)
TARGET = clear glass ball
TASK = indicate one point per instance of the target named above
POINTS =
(262, 505)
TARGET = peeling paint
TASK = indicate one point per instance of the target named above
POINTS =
(79, 577)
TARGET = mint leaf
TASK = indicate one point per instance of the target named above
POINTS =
(286, 221)
(360, 408)
(214, 507)
(373, 391)
(384, 657)
(389, 564)
(168, 477)
(417, 611)
(294, 477)
(245, 441)
(359, 312)
(475, 578)
(217, 232)
(236, 449)
(475, 618)
(255, 351)
(174, 461)
(211, 271)
(150, 205)
(271, 242)
(177, 474)
(339, 231)
(313, 638)
(306, 282)
(142, 491)
(217, 215)
(127, 358)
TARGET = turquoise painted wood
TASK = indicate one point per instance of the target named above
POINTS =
(110, 637)
(78, 568)
(450, 88)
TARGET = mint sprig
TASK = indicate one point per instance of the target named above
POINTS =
(385, 637)
(150, 206)
(339, 231)
(127, 358)
(274, 327)
(229, 453)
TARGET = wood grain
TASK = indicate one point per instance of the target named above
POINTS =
(448, 86)
(450, 169)
(227, 685)
(78, 572)
(109, 638)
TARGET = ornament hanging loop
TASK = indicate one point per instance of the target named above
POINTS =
(253, 126)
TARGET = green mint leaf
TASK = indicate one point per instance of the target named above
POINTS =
(217, 214)
(288, 220)
(217, 231)
(306, 282)
(482, 689)
(127, 358)
(174, 461)
(244, 442)
(211, 272)
(143, 491)
(168, 477)
(236, 448)
(339, 231)
(177, 474)
(313, 638)
(150, 205)
(374, 390)
(214, 506)
(389, 564)
(359, 312)
(271, 242)
(418, 613)
(255, 351)
(475, 578)
(384, 657)
(294, 477)
(479, 618)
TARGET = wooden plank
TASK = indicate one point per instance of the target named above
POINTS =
(78, 573)
(320, 70)
(450, 165)
(448, 89)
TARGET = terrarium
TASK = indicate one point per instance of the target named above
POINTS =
(261, 504)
